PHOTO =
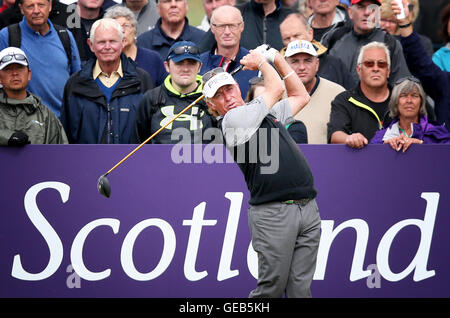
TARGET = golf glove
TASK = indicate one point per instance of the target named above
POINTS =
(18, 139)
(268, 52)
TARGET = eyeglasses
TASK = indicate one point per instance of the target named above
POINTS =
(232, 26)
(408, 78)
(126, 26)
(388, 21)
(16, 56)
(370, 64)
(208, 75)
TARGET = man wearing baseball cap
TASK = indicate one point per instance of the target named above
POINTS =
(181, 87)
(23, 118)
(282, 192)
(302, 57)
(346, 41)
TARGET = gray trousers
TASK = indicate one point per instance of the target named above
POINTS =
(286, 238)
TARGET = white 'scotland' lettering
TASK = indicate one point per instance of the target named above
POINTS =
(195, 226)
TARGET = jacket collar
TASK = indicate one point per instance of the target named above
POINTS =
(258, 7)
(160, 37)
(168, 85)
(29, 104)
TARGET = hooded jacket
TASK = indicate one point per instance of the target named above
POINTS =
(161, 104)
(32, 117)
(430, 133)
(87, 116)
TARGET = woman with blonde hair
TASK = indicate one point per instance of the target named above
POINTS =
(388, 22)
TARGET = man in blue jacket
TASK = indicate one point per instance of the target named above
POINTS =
(101, 100)
(227, 26)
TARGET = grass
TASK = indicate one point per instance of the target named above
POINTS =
(196, 12)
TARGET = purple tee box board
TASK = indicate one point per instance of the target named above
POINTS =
(174, 229)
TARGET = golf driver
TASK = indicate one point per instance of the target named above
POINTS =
(103, 185)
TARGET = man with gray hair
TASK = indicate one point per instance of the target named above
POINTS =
(283, 215)
(358, 113)
(101, 100)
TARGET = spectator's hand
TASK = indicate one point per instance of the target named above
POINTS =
(356, 140)
(402, 142)
(396, 143)
(18, 139)
(396, 9)
(268, 52)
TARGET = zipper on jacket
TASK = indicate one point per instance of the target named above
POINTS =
(265, 30)
(108, 124)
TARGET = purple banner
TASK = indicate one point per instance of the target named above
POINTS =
(176, 224)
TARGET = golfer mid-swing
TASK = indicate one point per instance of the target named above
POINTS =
(283, 215)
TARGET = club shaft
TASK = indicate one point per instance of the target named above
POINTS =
(167, 124)
(156, 133)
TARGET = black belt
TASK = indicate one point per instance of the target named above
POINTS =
(301, 201)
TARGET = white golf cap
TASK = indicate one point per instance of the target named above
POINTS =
(217, 81)
(12, 55)
(300, 46)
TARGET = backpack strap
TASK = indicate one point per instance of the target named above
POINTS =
(15, 39)
(14, 35)
(156, 99)
(65, 40)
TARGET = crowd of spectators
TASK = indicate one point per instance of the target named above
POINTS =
(107, 72)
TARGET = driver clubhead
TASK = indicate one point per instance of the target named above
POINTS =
(103, 186)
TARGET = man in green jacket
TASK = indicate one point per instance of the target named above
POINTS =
(23, 118)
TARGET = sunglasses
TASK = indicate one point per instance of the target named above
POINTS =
(370, 64)
(408, 78)
(185, 49)
(9, 57)
(208, 75)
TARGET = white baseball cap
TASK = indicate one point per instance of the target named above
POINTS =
(300, 46)
(12, 55)
(217, 81)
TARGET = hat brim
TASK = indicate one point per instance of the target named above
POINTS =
(182, 57)
(13, 61)
(217, 81)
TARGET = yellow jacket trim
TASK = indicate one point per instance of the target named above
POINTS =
(359, 104)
